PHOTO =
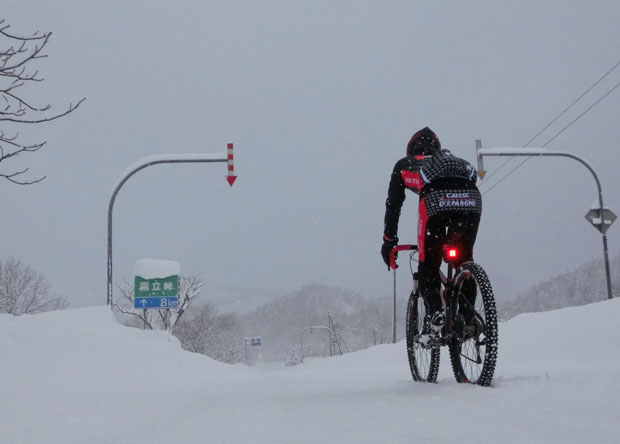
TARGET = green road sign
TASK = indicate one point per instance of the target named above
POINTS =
(157, 292)
(157, 287)
(156, 284)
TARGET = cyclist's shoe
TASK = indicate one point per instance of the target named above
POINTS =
(430, 335)
(437, 320)
(428, 341)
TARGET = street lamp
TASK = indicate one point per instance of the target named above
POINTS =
(156, 160)
(605, 216)
(301, 336)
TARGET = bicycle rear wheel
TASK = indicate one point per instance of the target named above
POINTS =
(423, 361)
(473, 351)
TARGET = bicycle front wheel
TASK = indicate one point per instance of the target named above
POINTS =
(423, 360)
(473, 351)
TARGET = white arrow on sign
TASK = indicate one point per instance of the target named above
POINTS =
(143, 302)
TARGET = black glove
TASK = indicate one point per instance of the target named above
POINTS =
(386, 248)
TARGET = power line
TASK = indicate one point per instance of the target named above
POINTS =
(498, 169)
(582, 114)
(562, 130)
(506, 176)
(571, 105)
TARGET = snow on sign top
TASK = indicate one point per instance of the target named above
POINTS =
(156, 268)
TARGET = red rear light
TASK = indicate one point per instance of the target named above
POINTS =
(450, 254)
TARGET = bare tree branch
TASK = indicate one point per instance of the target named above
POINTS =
(34, 36)
(125, 305)
(9, 95)
(16, 54)
(12, 178)
(15, 150)
(44, 119)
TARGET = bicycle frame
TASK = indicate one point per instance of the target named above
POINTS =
(446, 279)
(450, 256)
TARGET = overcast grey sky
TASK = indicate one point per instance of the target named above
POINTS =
(320, 99)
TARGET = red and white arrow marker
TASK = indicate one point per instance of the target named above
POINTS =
(231, 166)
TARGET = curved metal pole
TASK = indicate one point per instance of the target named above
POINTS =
(544, 153)
(531, 152)
(141, 164)
(301, 335)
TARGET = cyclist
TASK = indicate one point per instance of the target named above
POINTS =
(449, 209)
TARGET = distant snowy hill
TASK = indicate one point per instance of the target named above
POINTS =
(583, 285)
(238, 299)
(358, 322)
(76, 376)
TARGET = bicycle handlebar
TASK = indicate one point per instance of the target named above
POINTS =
(396, 249)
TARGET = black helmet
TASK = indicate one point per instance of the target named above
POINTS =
(423, 143)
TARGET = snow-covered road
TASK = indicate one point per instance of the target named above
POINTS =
(76, 376)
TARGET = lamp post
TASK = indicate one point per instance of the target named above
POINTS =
(605, 216)
(301, 335)
(156, 160)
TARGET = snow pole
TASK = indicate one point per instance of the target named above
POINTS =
(231, 166)
(393, 266)
(394, 312)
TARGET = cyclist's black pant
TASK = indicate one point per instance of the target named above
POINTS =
(458, 228)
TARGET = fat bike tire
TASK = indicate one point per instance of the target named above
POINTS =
(423, 361)
(473, 353)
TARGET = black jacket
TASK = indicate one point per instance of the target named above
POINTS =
(443, 181)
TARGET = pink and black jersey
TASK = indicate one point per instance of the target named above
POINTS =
(444, 183)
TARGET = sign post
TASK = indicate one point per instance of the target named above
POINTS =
(254, 342)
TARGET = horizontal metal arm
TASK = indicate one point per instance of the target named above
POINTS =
(533, 152)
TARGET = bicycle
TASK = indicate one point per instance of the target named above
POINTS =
(470, 331)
